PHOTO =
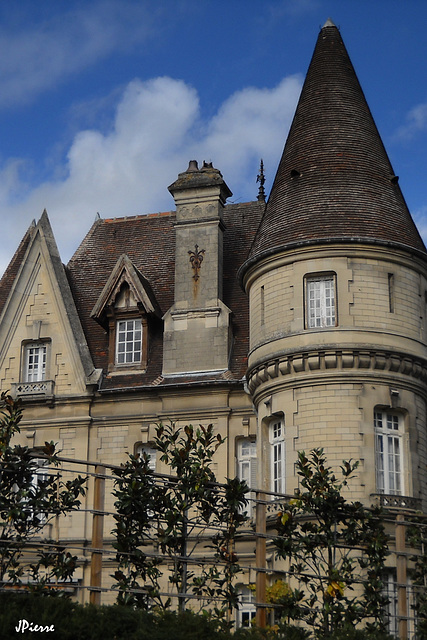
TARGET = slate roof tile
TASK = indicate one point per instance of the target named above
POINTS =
(334, 181)
(149, 241)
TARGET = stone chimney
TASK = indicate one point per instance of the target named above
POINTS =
(196, 335)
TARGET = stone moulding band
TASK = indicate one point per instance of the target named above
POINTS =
(339, 359)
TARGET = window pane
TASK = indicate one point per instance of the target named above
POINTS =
(277, 444)
(388, 453)
(320, 294)
(246, 469)
(35, 357)
(129, 341)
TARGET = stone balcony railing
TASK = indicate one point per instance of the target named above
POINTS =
(42, 388)
(389, 501)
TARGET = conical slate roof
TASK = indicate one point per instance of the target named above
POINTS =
(334, 182)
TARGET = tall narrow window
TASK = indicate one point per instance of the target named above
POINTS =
(390, 591)
(246, 612)
(320, 301)
(151, 453)
(391, 292)
(38, 480)
(277, 445)
(35, 362)
(262, 301)
(129, 341)
(247, 469)
(389, 452)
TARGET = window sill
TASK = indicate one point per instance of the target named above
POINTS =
(126, 371)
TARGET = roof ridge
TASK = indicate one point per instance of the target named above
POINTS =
(159, 214)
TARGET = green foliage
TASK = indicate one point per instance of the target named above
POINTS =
(330, 543)
(179, 515)
(417, 537)
(350, 633)
(27, 506)
(76, 622)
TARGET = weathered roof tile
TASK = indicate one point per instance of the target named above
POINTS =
(334, 181)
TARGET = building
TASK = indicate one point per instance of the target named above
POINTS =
(289, 324)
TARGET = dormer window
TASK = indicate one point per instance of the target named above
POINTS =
(124, 307)
(129, 342)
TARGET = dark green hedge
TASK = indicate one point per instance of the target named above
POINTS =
(75, 622)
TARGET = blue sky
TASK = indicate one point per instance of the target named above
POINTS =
(103, 102)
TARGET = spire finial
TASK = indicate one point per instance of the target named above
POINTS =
(329, 23)
(261, 179)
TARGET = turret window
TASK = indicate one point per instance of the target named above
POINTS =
(389, 452)
(277, 452)
(320, 301)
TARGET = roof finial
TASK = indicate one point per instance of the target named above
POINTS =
(329, 23)
(261, 179)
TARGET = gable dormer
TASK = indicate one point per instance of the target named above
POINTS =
(124, 309)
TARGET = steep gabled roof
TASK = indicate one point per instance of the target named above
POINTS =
(37, 259)
(14, 265)
(125, 271)
(334, 182)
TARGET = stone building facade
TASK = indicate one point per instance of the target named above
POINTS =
(290, 324)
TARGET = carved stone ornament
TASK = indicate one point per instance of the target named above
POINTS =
(196, 259)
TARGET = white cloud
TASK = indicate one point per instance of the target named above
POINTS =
(251, 124)
(416, 121)
(39, 52)
(158, 128)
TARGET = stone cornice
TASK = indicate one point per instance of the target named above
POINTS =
(298, 366)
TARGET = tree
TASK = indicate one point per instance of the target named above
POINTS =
(329, 543)
(417, 537)
(30, 497)
(178, 515)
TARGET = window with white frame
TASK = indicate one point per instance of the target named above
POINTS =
(129, 341)
(35, 357)
(320, 301)
(277, 452)
(247, 610)
(247, 468)
(40, 475)
(389, 452)
(151, 454)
